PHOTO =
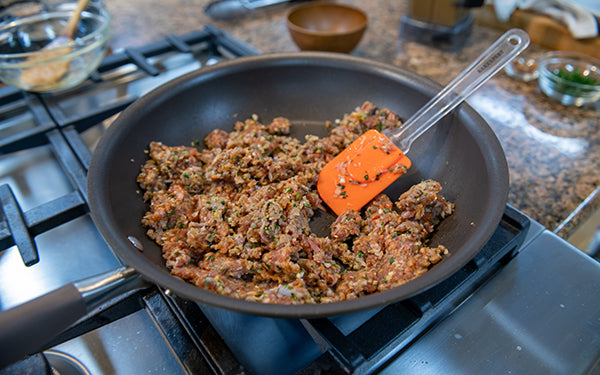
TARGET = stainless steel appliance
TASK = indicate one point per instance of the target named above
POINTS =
(445, 24)
(527, 303)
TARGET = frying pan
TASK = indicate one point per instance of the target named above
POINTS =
(309, 88)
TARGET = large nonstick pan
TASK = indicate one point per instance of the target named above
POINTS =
(462, 153)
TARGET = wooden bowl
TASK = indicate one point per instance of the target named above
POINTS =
(326, 26)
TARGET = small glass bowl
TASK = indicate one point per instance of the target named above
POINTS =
(523, 69)
(569, 77)
(23, 63)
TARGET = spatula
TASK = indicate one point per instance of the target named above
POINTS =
(374, 161)
(52, 72)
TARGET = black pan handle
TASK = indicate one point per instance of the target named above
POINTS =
(26, 328)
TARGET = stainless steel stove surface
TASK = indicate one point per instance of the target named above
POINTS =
(527, 303)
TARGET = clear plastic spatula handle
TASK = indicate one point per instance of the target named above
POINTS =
(507, 47)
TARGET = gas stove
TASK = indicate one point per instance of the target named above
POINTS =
(489, 317)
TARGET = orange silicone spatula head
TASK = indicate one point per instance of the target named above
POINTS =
(360, 172)
(374, 161)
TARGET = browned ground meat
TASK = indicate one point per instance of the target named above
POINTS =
(234, 217)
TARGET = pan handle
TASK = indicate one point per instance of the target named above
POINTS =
(26, 328)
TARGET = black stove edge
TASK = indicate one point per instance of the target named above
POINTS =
(201, 336)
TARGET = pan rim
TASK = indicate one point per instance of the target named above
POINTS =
(152, 272)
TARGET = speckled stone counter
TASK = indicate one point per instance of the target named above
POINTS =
(553, 151)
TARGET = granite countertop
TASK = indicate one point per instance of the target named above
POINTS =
(553, 151)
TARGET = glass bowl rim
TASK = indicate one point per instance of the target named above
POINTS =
(102, 14)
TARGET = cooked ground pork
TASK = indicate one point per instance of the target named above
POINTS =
(234, 217)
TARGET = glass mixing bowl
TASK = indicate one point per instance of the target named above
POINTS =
(26, 64)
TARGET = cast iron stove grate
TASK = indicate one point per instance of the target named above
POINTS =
(70, 123)
(358, 343)
(62, 119)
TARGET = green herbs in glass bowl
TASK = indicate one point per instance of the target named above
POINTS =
(569, 77)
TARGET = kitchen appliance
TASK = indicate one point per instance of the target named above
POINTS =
(491, 305)
(445, 24)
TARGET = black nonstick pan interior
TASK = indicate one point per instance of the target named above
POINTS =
(462, 153)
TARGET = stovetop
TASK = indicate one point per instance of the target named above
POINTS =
(49, 240)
